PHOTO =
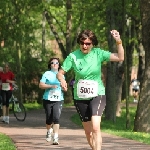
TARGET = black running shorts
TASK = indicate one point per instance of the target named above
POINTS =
(53, 111)
(88, 108)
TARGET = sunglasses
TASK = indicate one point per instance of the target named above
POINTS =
(87, 44)
(54, 63)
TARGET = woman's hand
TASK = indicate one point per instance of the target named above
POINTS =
(61, 79)
(120, 55)
(54, 86)
(115, 35)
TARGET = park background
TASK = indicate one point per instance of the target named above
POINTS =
(32, 31)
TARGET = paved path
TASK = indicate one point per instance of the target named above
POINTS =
(30, 134)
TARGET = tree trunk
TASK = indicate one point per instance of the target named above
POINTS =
(19, 74)
(110, 93)
(110, 110)
(119, 84)
(142, 119)
(115, 71)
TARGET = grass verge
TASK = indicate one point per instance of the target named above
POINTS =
(6, 143)
(32, 106)
(119, 127)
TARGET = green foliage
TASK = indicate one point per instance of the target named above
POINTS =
(56, 3)
(21, 24)
(21, 27)
(6, 143)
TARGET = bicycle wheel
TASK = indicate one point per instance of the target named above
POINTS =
(19, 110)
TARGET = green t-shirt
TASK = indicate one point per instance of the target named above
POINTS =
(87, 66)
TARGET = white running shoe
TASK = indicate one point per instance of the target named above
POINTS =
(51, 130)
(3, 118)
(7, 119)
(48, 137)
(55, 141)
(135, 101)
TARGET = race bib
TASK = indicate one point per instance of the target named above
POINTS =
(5, 86)
(54, 95)
(87, 89)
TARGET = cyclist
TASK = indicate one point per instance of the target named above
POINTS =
(7, 78)
(52, 99)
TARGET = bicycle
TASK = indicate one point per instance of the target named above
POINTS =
(18, 108)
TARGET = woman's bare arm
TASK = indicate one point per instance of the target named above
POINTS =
(62, 81)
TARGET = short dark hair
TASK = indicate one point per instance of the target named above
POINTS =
(83, 35)
(49, 62)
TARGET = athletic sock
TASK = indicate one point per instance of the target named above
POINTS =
(50, 130)
(55, 135)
